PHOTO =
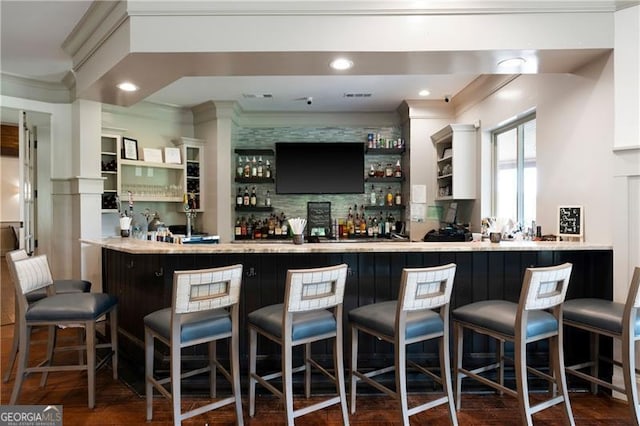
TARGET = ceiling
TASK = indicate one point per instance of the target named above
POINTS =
(31, 47)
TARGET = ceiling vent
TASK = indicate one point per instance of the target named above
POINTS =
(257, 95)
(357, 95)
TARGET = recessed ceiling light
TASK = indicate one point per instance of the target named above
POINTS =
(424, 92)
(128, 87)
(512, 62)
(341, 64)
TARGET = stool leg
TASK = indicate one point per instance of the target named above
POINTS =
(23, 357)
(148, 371)
(522, 385)
(287, 378)
(212, 369)
(307, 370)
(401, 379)
(500, 359)
(253, 350)
(561, 380)
(457, 361)
(338, 353)
(90, 338)
(445, 373)
(629, 369)
(354, 367)
(113, 327)
(14, 350)
(235, 372)
(51, 344)
(175, 382)
(595, 352)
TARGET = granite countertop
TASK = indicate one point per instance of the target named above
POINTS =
(130, 245)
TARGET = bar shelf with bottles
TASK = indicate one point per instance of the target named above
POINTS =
(274, 227)
(254, 166)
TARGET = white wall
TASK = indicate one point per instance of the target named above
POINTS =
(9, 189)
(574, 139)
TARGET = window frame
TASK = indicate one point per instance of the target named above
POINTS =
(517, 124)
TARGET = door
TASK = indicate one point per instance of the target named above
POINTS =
(27, 169)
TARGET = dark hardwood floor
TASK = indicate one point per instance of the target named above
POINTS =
(117, 404)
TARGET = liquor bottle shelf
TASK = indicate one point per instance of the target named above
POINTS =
(254, 180)
(384, 151)
(254, 152)
(253, 209)
(385, 207)
(383, 179)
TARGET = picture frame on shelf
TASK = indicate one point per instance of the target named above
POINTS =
(129, 148)
(172, 155)
(152, 155)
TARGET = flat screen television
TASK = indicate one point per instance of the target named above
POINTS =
(319, 168)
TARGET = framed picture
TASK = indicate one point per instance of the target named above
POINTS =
(152, 155)
(129, 149)
(172, 155)
(571, 222)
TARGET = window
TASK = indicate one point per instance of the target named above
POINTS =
(514, 171)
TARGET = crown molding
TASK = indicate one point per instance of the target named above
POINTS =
(101, 20)
(310, 8)
(37, 90)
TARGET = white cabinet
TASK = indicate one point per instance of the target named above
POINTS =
(149, 181)
(109, 148)
(192, 154)
(456, 162)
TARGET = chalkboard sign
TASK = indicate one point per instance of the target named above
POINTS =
(571, 222)
(319, 218)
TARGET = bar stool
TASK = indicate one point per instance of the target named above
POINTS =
(60, 309)
(537, 316)
(204, 309)
(60, 287)
(304, 318)
(616, 320)
(410, 319)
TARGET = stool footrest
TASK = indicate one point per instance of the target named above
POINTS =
(375, 384)
(428, 405)
(315, 407)
(592, 379)
(426, 372)
(208, 407)
(472, 374)
(546, 404)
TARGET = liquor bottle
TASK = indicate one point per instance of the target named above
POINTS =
(267, 199)
(239, 198)
(392, 223)
(372, 171)
(398, 172)
(389, 197)
(260, 171)
(254, 167)
(388, 171)
(247, 168)
(372, 196)
(267, 172)
(398, 199)
(243, 227)
(238, 229)
(240, 168)
(380, 198)
(246, 198)
(254, 198)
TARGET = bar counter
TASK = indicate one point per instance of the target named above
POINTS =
(140, 274)
(133, 246)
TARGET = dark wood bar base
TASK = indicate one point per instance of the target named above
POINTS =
(143, 284)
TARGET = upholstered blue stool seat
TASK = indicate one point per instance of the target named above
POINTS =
(598, 313)
(62, 287)
(500, 316)
(194, 326)
(381, 317)
(71, 306)
(305, 324)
